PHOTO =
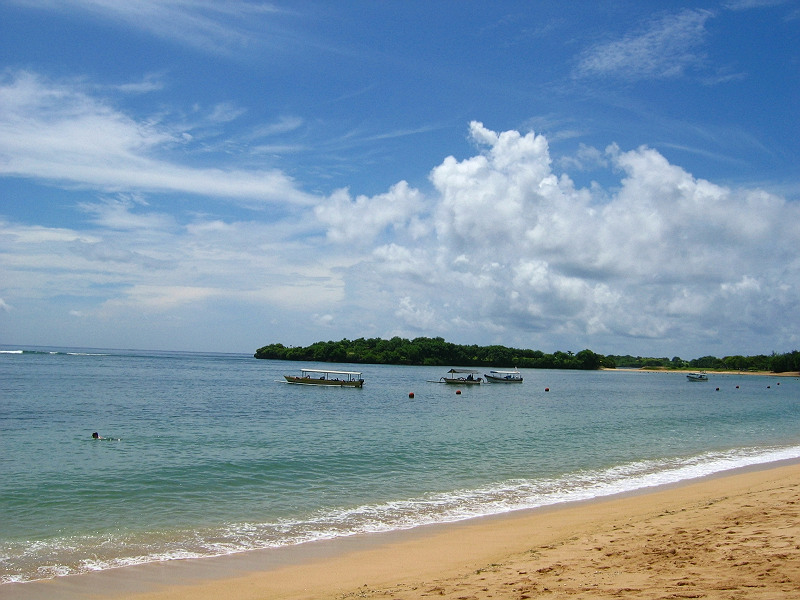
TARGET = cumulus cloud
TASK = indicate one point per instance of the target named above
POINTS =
(516, 252)
(362, 219)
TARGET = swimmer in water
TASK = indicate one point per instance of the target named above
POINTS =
(97, 436)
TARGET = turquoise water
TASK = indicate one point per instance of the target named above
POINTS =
(210, 454)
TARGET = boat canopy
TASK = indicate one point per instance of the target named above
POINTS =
(331, 372)
(462, 371)
(514, 372)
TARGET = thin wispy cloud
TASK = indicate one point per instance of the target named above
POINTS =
(56, 132)
(213, 27)
(664, 48)
(749, 4)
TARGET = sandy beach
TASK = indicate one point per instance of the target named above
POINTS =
(731, 536)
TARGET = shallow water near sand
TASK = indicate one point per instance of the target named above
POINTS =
(212, 454)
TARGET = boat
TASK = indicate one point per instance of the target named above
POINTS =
(697, 377)
(503, 376)
(327, 377)
(462, 377)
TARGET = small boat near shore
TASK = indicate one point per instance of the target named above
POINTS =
(327, 377)
(462, 377)
(697, 377)
(503, 376)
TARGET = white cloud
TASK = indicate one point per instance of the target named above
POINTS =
(56, 132)
(152, 82)
(748, 4)
(419, 318)
(215, 27)
(665, 48)
(660, 258)
(587, 158)
(499, 250)
(325, 320)
(117, 213)
(746, 285)
(284, 124)
(361, 220)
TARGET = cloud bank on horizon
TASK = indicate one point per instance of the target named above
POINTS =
(140, 209)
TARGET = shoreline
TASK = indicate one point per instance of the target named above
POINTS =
(709, 372)
(535, 551)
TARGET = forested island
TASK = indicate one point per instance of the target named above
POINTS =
(438, 352)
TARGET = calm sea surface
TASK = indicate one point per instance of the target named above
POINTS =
(212, 454)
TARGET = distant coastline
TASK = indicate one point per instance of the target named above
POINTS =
(423, 351)
(712, 372)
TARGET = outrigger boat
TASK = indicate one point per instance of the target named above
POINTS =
(461, 377)
(327, 377)
(503, 376)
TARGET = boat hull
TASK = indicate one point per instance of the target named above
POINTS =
(356, 383)
(461, 380)
(493, 379)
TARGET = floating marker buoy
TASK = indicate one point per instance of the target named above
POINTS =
(458, 392)
(717, 389)
(737, 387)
(410, 394)
(769, 386)
(546, 389)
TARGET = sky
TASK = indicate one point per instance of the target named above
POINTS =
(217, 176)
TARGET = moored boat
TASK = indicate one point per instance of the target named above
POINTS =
(697, 377)
(462, 377)
(503, 376)
(327, 377)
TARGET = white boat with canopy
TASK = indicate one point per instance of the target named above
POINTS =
(504, 376)
(697, 377)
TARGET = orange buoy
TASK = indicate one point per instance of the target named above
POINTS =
(546, 389)
(410, 394)
(458, 392)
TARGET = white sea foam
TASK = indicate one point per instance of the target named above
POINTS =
(524, 494)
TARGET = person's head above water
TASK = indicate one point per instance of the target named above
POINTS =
(96, 435)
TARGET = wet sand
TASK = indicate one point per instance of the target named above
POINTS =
(727, 537)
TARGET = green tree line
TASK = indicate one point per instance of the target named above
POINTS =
(429, 351)
(438, 352)
(777, 363)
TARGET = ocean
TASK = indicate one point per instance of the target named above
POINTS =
(212, 454)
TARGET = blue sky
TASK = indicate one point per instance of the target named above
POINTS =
(199, 175)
